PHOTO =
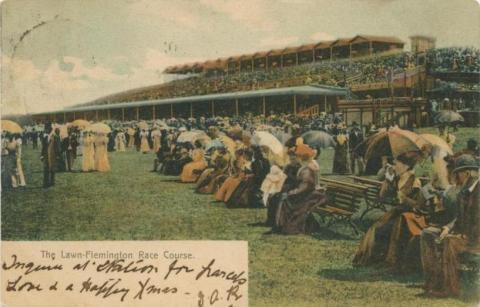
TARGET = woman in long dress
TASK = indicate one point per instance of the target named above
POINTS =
(156, 135)
(10, 163)
(101, 154)
(191, 171)
(120, 141)
(211, 178)
(391, 238)
(144, 146)
(248, 193)
(88, 157)
(241, 167)
(20, 174)
(340, 163)
(296, 204)
(131, 139)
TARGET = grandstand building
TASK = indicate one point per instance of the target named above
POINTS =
(367, 78)
(343, 48)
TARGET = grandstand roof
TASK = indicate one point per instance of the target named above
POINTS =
(319, 90)
(286, 50)
(341, 42)
(373, 38)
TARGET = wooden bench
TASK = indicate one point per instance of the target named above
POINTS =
(344, 200)
(374, 201)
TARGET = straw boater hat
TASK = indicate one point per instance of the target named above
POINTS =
(466, 162)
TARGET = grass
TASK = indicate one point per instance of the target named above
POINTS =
(130, 203)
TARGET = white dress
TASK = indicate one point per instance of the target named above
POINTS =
(20, 175)
(120, 141)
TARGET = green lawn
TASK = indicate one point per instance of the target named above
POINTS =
(130, 203)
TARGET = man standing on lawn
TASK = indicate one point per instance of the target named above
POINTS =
(51, 149)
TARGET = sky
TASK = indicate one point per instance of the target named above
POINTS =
(57, 53)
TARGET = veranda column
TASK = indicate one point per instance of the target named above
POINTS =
(171, 110)
(153, 112)
(236, 106)
(123, 114)
(64, 117)
(138, 113)
(213, 108)
(325, 103)
(191, 110)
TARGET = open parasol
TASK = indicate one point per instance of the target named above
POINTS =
(80, 123)
(11, 126)
(318, 139)
(228, 142)
(192, 136)
(99, 128)
(437, 141)
(448, 117)
(394, 142)
(263, 138)
(142, 125)
(282, 136)
(402, 141)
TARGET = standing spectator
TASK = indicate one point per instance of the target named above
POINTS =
(71, 144)
(20, 175)
(34, 137)
(354, 139)
(51, 150)
(340, 164)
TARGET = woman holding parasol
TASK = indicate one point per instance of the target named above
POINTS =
(395, 235)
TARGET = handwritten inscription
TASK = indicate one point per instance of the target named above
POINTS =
(124, 279)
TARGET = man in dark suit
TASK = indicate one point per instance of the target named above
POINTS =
(70, 145)
(34, 136)
(51, 149)
(354, 138)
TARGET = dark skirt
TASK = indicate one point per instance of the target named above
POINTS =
(340, 164)
(292, 215)
(246, 195)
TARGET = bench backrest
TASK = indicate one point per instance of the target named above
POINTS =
(344, 195)
(373, 186)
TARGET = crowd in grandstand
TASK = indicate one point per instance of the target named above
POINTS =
(343, 72)
(454, 59)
